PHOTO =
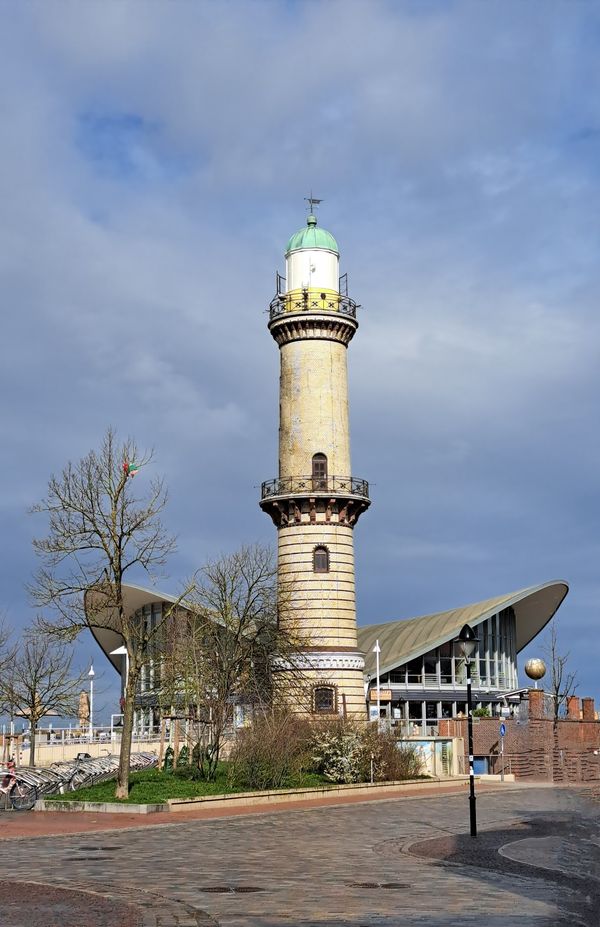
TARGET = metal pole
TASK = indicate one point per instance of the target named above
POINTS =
(502, 757)
(91, 708)
(472, 809)
(377, 652)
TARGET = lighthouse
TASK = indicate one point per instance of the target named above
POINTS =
(315, 501)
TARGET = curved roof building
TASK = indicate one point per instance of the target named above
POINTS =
(421, 678)
(407, 639)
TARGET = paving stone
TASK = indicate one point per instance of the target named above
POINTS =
(346, 866)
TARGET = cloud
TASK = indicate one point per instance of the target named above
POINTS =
(154, 167)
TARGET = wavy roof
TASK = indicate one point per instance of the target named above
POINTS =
(108, 637)
(401, 641)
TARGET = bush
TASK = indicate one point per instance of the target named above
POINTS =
(337, 749)
(343, 752)
(191, 773)
(168, 760)
(392, 762)
(272, 753)
(482, 712)
(184, 757)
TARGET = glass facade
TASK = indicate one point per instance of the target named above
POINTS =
(146, 717)
(432, 687)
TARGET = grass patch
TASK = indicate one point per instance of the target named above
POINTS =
(152, 786)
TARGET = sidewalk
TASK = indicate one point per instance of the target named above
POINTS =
(54, 823)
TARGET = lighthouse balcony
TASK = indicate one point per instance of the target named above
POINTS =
(315, 486)
(309, 300)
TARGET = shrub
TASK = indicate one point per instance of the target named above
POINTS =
(184, 757)
(482, 712)
(272, 753)
(391, 761)
(168, 760)
(336, 749)
(343, 752)
(192, 773)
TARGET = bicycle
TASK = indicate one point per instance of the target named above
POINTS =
(20, 794)
(74, 779)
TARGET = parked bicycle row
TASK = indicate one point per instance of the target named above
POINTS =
(23, 786)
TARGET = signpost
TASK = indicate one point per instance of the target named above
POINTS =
(502, 733)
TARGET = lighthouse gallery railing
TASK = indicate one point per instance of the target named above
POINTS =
(288, 485)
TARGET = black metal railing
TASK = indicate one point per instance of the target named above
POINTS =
(305, 301)
(330, 485)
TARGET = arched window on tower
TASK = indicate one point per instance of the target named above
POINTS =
(324, 699)
(319, 471)
(320, 560)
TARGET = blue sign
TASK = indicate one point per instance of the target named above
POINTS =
(502, 729)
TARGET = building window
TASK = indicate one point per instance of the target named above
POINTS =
(321, 560)
(415, 671)
(324, 699)
(319, 471)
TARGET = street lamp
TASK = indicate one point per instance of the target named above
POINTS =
(377, 651)
(467, 645)
(91, 675)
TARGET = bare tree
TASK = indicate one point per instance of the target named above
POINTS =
(8, 652)
(99, 532)
(563, 682)
(228, 646)
(7, 655)
(41, 681)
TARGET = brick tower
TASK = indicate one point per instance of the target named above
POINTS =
(315, 502)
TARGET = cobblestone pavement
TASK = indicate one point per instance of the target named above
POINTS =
(379, 864)
(46, 906)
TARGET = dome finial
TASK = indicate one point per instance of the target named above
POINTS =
(311, 219)
(312, 235)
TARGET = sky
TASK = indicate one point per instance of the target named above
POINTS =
(154, 160)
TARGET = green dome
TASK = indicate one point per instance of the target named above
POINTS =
(312, 237)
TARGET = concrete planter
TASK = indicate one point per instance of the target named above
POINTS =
(174, 805)
(108, 807)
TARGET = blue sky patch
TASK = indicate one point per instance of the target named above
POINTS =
(124, 146)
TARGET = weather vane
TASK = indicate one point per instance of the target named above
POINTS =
(312, 201)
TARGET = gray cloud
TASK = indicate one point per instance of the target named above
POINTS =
(153, 167)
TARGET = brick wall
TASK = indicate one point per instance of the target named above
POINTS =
(536, 748)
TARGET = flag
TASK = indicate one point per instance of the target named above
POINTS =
(130, 469)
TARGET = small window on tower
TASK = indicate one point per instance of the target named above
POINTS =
(324, 699)
(321, 560)
(319, 471)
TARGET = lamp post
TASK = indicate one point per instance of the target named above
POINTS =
(91, 675)
(467, 644)
(377, 651)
